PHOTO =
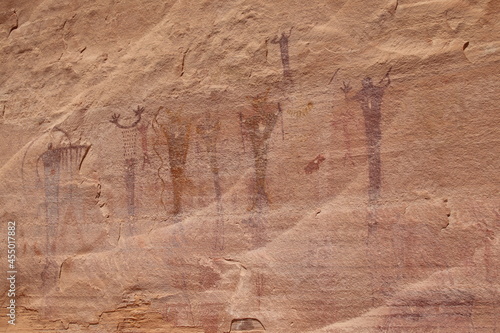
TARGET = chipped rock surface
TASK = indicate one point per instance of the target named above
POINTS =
(262, 166)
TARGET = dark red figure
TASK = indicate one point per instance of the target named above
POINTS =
(258, 128)
(314, 164)
(370, 98)
(285, 58)
(129, 145)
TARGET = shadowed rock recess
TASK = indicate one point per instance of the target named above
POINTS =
(250, 166)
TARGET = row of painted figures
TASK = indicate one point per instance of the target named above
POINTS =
(63, 162)
(256, 128)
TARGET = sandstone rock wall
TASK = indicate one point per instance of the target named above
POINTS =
(321, 166)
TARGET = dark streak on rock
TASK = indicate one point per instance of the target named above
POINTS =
(183, 61)
(16, 25)
(83, 157)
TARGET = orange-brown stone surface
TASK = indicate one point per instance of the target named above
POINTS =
(260, 166)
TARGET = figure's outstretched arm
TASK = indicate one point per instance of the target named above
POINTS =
(115, 118)
(289, 33)
(284, 36)
(139, 110)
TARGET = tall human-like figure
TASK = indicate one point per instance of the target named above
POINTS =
(370, 98)
(129, 133)
(285, 58)
(59, 164)
(177, 133)
(209, 130)
(259, 128)
(52, 174)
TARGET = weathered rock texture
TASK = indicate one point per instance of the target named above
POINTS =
(175, 165)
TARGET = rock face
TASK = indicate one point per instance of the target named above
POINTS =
(265, 166)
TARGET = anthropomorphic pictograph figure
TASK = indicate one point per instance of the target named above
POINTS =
(258, 128)
(285, 58)
(59, 164)
(346, 120)
(52, 172)
(129, 133)
(177, 132)
(209, 131)
(370, 98)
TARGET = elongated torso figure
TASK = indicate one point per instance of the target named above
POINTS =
(258, 128)
(370, 99)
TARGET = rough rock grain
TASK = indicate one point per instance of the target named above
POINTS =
(320, 166)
